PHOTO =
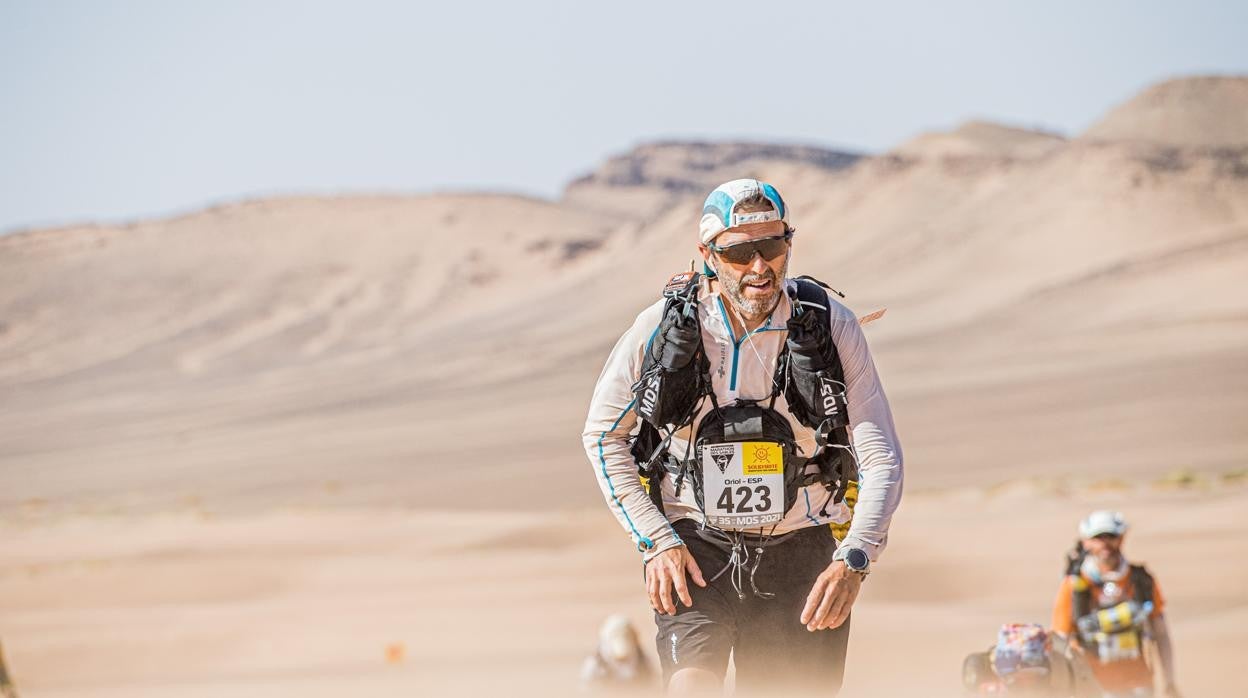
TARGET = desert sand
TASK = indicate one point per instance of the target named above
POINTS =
(315, 446)
(306, 600)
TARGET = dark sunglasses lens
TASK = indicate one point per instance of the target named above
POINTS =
(744, 252)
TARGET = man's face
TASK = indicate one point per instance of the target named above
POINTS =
(1105, 548)
(753, 287)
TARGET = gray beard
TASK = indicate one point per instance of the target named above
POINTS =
(752, 308)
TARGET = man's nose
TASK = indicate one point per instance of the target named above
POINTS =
(758, 265)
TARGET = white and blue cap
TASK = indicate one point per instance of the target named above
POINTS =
(1100, 522)
(719, 212)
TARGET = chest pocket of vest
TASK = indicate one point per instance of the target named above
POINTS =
(746, 471)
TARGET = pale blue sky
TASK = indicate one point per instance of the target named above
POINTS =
(116, 110)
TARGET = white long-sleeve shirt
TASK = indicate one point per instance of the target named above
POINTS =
(742, 367)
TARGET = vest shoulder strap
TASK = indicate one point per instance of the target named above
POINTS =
(680, 284)
(675, 372)
(811, 296)
(1142, 583)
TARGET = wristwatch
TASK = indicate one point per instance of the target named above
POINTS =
(856, 559)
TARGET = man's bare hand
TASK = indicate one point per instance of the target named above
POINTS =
(665, 572)
(831, 598)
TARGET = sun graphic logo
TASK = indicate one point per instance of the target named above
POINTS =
(762, 458)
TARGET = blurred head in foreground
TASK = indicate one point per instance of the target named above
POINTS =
(617, 661)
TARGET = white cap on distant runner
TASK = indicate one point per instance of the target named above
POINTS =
(1099, 522)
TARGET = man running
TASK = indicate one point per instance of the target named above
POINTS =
(734, 530)
(1110, 609)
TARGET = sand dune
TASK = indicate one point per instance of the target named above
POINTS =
(1205, 111)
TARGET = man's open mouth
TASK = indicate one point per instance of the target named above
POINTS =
(759, 285)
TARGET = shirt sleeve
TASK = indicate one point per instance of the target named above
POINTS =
(874, 439)
(608, 426)
(1063, 608)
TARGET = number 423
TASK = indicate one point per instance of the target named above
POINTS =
(744, 494)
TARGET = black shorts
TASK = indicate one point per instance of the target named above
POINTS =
(770, 647)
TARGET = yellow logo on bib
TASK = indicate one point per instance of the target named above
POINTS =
(762, 458)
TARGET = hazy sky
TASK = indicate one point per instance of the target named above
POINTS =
(115, 110)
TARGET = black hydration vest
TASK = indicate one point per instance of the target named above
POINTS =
(675, 379)
(1081, 603)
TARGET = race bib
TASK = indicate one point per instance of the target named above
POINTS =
(743, 484)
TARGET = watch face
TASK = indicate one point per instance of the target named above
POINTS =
(857, 559)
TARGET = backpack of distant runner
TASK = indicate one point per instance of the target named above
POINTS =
(1026, 660)
(1142, 584)
(1021, 647)
(744, 455)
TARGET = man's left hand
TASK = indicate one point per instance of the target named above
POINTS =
(831, 598)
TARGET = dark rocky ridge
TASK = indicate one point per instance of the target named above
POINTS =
(651, 178)
(686, 167)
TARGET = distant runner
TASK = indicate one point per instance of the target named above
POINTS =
(725, 430)
(1112, 610)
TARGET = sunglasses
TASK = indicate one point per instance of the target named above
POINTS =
(743, 252)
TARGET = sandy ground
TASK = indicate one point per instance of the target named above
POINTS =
(309, 601)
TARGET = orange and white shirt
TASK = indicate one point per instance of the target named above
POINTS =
(1120, 675)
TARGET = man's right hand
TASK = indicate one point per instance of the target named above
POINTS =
(665, 572)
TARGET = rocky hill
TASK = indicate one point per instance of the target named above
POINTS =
(1072, 309)
(654, 176)
(981, 139)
